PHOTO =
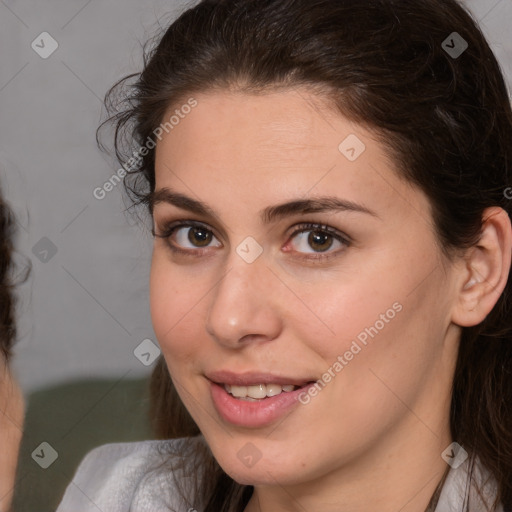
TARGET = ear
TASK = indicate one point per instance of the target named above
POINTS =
(485, 273)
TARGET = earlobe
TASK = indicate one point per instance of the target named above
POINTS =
(486, 270)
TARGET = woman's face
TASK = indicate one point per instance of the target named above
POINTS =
(313, 261)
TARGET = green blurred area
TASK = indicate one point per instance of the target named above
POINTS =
(74, 418)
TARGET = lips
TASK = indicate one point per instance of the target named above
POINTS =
(251, 413)
(256, 378)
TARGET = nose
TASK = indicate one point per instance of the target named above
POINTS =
(244, 306)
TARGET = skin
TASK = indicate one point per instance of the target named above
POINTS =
(372, 438)
(12, 412)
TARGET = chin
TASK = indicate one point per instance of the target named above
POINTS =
(268, 471)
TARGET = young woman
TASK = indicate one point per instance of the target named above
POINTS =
(329, 186)
(11, 399)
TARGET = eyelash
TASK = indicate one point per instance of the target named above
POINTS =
(169, 230)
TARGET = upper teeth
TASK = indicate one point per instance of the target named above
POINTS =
(258, 391)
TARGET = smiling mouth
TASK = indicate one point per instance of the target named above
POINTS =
(258, 392)
(247, 401)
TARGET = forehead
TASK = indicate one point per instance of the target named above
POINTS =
(274, 146)
(239, 122)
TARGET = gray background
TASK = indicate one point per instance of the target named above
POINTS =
(85, 310)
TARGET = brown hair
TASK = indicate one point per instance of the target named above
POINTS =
(7, 299)
(446, 121)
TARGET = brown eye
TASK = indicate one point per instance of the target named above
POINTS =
(190, 236)
(316, 240)
(199, 236)
(320, 241)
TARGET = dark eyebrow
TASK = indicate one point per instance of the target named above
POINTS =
(269, 214)
(315, 205)
(166, 195)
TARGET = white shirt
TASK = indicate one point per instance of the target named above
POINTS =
(129, 477)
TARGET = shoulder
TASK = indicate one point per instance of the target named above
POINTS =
(469, 484)
(126, 477)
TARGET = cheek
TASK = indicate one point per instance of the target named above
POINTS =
(355, 310)
(386, 333)
(386, 361)
(176, 310)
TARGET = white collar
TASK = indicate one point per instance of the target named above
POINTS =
(454, 493)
